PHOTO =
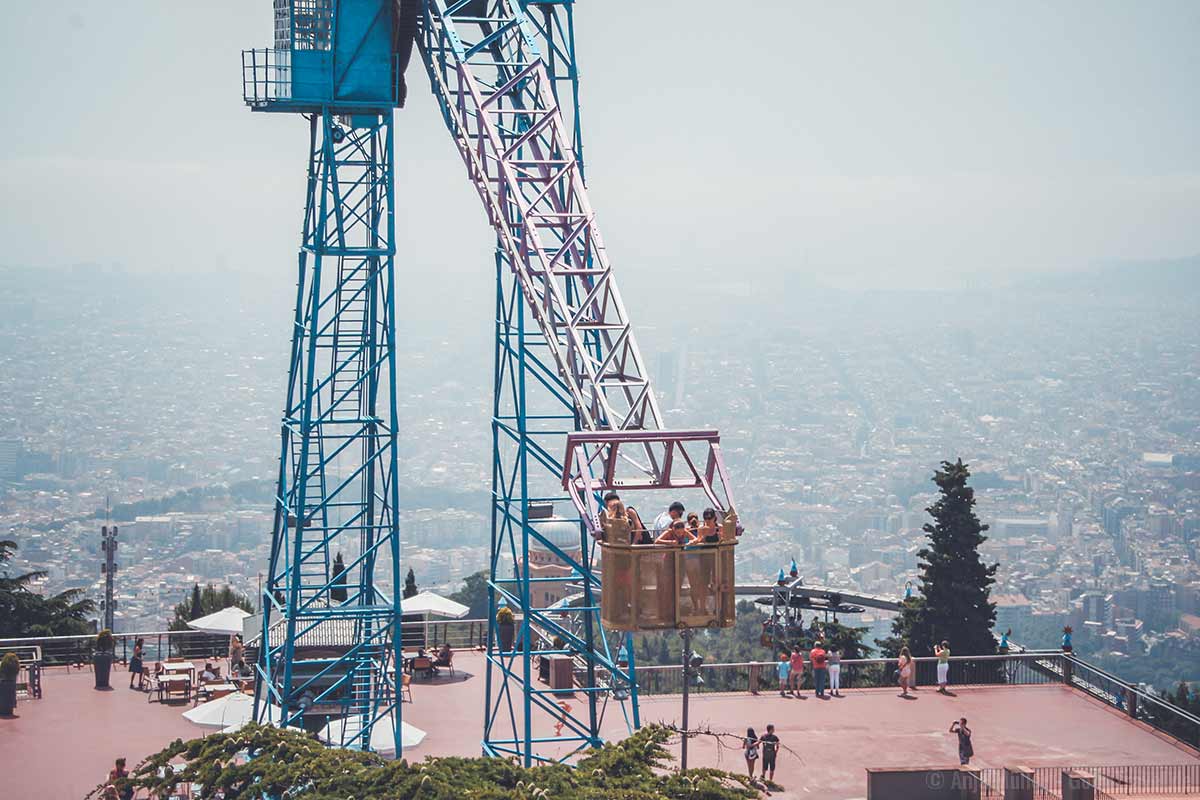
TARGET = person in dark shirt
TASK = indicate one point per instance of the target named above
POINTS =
(770, 747)
(965, 751)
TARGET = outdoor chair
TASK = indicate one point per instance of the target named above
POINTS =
(424, 664)
(448, 663)
(406, 686)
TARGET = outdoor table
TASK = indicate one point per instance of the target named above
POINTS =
(169, 683)
(219, 690)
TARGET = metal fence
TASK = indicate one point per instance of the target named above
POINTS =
(1139, 704)
(1131, 779)
(159, 645)
(867, 673)
(195, 645)
(1139, 780)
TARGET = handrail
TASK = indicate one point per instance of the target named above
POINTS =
(1133, 689)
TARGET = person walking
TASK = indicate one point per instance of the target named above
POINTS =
(770, 748)
(237, 651)
(942, 652)
(965, 750)
(905, 669)
(135, 664)
(820, 667)
(750, 745)
(784, 667)
(835, 672)
(796, 674)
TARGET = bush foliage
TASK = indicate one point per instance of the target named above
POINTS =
(293, 764)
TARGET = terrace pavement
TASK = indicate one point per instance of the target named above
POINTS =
(63, 745)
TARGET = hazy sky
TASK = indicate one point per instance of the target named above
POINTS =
(865, 143)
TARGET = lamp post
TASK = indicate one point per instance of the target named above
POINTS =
(108, 544)
(691, 669)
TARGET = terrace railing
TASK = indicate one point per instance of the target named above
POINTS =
(866, 673)
(1138, 703)
(195, 645)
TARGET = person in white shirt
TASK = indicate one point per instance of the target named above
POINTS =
(663, 521)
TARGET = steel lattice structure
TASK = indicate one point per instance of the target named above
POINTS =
(574, 412)
(566, 356)
(326, 651)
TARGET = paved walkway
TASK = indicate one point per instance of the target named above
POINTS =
(63, 745)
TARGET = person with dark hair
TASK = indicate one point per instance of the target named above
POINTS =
(750, 745)
(136, 664)
(676, 534)
(609, 498)
(637, 529)
(118, 777)
(770, 748)
(820, 667)
(664, 520)
(835, 670)
(965, 750)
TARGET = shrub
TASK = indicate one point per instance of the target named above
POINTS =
(298, 765)
(105, 642)
(505, 615)
(10, 665)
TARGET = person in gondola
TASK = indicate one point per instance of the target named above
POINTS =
(669, 582)
(702, 568)
(637, 529)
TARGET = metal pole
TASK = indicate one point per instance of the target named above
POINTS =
(687, 666)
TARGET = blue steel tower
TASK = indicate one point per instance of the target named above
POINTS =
(328, 647)
(504, 74)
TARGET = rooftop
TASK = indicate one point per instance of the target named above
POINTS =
(63, 745)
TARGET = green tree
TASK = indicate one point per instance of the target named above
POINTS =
(474, 595)
(203, 602)
(410, 584)
(197, 608)
(26, 613)
(955, 585)
(337, 587)
(300, 765)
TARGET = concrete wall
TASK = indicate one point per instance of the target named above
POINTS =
(954, 783)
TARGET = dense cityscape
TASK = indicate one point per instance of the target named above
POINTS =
(1077, 409)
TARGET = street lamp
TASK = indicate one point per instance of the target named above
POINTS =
(691, 671)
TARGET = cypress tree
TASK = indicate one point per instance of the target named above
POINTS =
(197, 609)
(337, 587)
(954, 602)
(410, 584)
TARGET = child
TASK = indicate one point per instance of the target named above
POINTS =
(796, 674)
(785, 666)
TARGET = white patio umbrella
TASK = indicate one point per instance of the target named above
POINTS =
(430, 603)
(227, 621)
(232, 709)
(382, 741)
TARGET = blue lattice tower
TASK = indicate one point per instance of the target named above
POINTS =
(566, 361)
(327, 651)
